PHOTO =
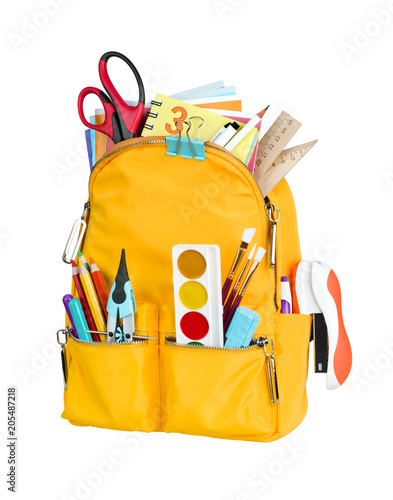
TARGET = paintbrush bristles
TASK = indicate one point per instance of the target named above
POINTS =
(260, 253)
(251, 252)
(244, 268)
(248, 235)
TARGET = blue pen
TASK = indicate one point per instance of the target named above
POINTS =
(79, 319)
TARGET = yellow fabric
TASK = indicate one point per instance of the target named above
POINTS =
(147, 202)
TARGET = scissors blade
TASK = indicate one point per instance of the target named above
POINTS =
(128, 328)
(111, 328)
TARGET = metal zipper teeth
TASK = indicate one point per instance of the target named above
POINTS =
(87, 220)
(162, 141)
(269, 240)
(70, 332)
(124, 148)
(275, 287)
(169, 340)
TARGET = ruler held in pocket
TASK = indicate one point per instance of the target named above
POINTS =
(285, 161)
(274, 141)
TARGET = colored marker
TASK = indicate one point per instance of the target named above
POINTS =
(225, 134)
(83, 299)
(100, 286)
(245, 130)
(286, 297)
(79, 320)
(66, 300)
(83, 260)
(92, 298)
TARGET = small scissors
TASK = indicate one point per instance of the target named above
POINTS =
(121, 305)
(121, 120)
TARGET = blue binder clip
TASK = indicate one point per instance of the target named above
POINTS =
(185, 146)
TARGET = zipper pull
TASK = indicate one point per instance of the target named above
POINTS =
(273, 231)
(76, 236)
(271, 368)
(63, 354)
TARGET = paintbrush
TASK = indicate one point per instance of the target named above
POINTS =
(228, 303)
(246, 238)
(258, 257)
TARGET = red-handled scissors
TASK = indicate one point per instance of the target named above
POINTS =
(121, 120)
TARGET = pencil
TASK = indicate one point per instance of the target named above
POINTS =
(83, 260)
(92, 298)
(241, 134)
(83, 300)
(100, 286)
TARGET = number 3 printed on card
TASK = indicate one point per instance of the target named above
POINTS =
(171, 129)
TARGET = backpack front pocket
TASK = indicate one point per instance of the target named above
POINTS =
(216, 392)
(115, 386)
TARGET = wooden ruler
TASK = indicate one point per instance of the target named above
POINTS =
(273, 142)
(286, 160)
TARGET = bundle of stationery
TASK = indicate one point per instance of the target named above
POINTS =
(216, 104)
(93, 313)
(175, 184)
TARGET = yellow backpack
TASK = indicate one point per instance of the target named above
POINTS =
(145, 201)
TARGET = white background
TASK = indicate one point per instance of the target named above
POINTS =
(286, 53)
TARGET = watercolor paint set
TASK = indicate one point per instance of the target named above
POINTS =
(197, 294)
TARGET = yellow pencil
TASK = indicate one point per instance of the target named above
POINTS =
(92, 298)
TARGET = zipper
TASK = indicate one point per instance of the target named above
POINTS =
(271, 368)
(87, 221)
(64, 366)
(171, 340)
(69, 331)
(260, 343)
(124, 148)
(272, 241)
(162, 141)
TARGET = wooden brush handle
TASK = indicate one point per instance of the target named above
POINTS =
(228, 304)
(225, 289)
